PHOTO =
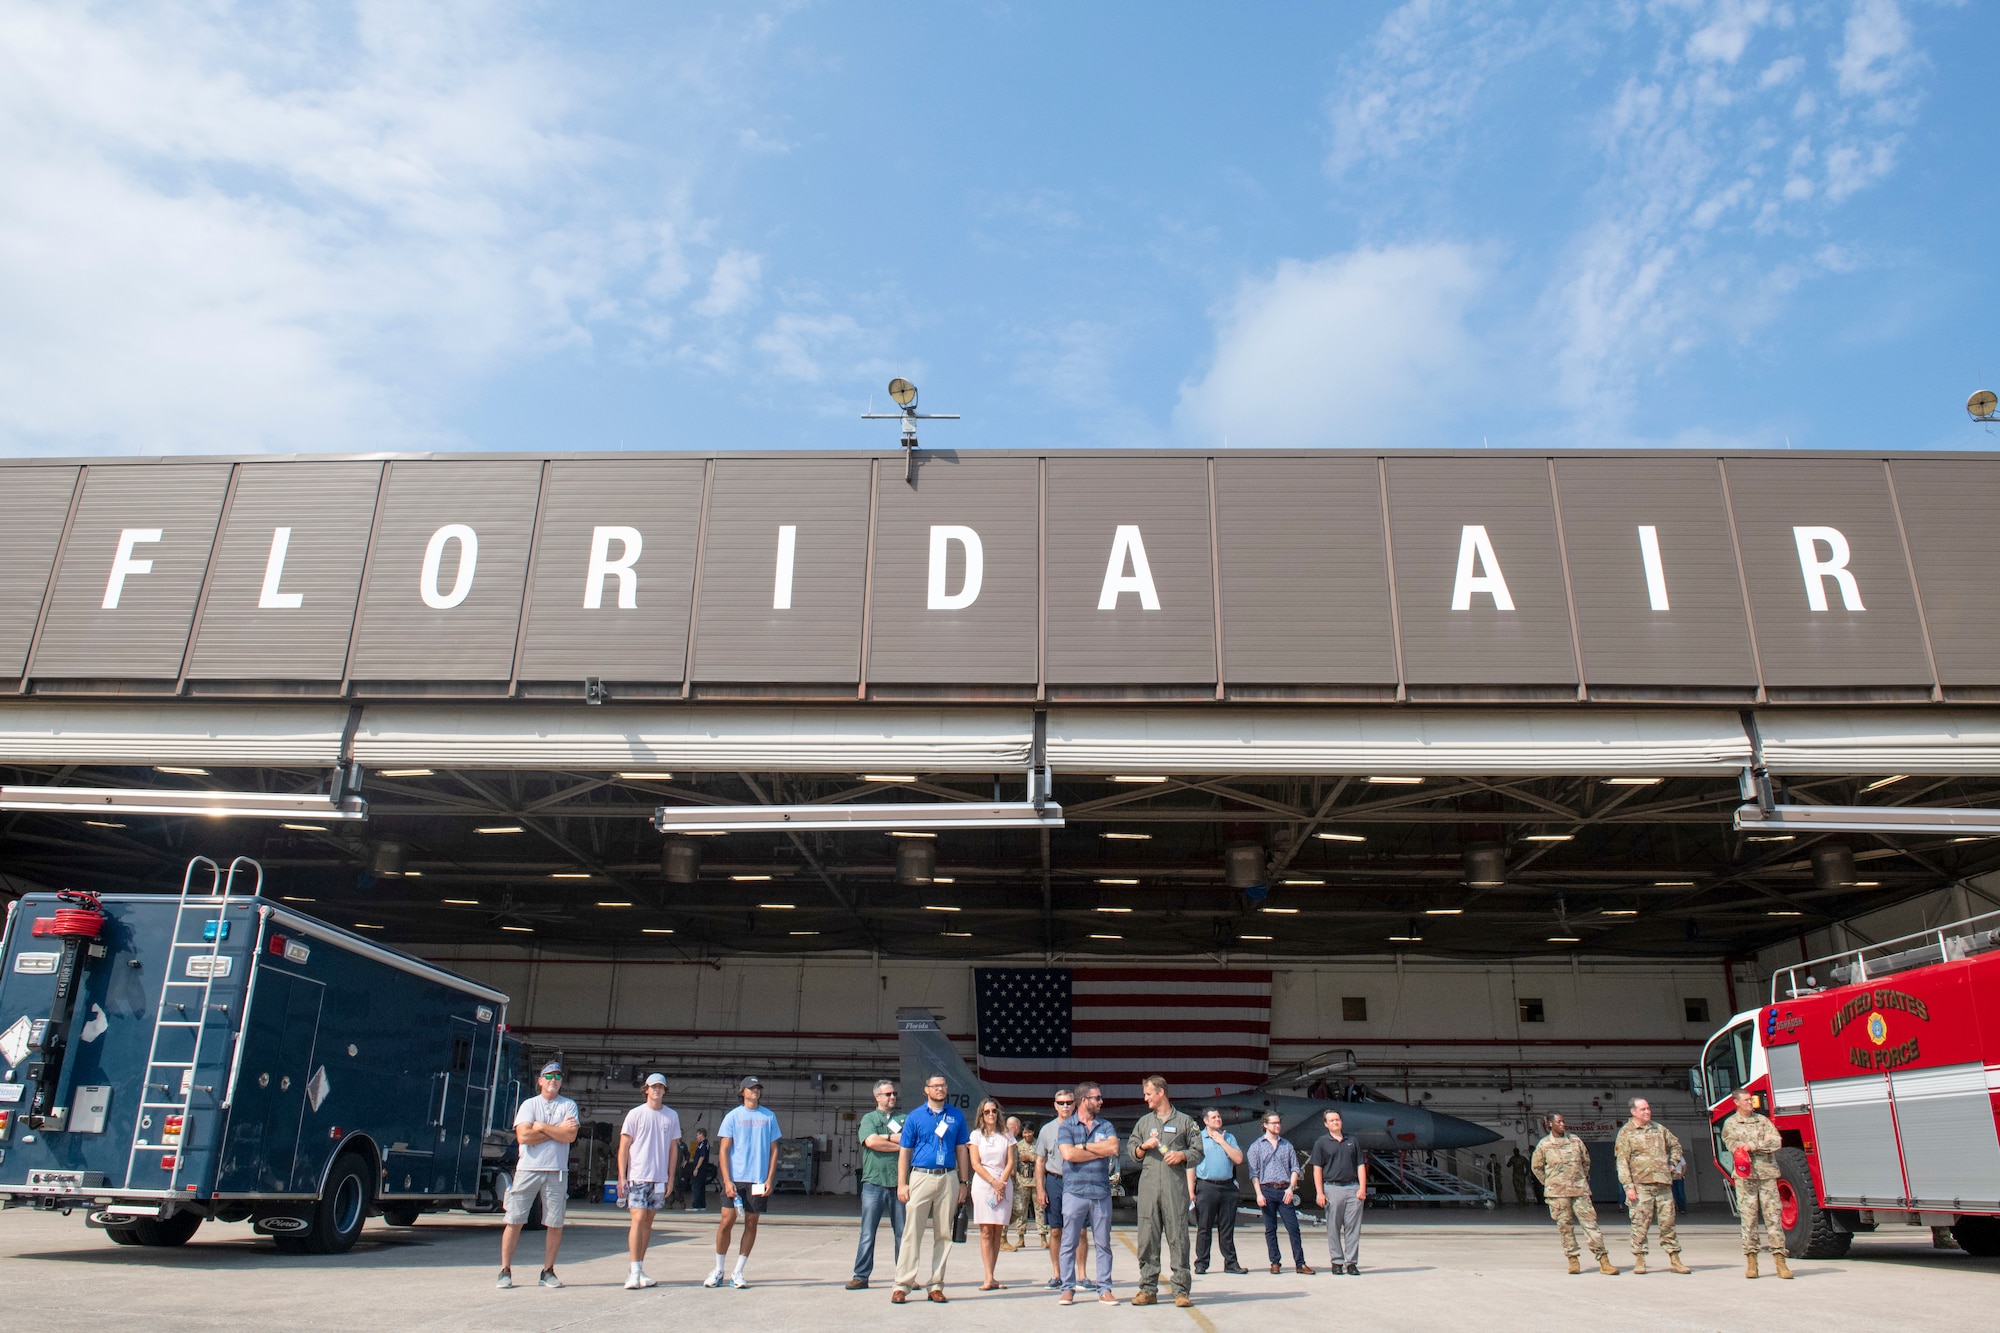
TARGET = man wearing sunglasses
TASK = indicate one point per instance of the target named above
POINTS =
(1049, 1190)
(545, 1126)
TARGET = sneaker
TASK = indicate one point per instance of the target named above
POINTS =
(1068, 1298)
(639, 1281)
(548, 1279)
(1055, 1284)
(506, 1280)
(712, 1280)
(1106, 1298)
(738, 1281)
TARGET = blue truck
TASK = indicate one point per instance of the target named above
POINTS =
(217, 1056)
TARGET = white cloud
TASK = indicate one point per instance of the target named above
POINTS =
(1339, 351)
(1875, 49)
(732, 285)
(798, 345)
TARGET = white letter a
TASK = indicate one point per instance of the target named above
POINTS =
(1475, 545)
(1128, 544)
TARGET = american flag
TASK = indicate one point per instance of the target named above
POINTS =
(1207, 1033)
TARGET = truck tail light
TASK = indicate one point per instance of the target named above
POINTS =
(170, 1132)
(6, 1122)
(168, 1162)
(277, 946)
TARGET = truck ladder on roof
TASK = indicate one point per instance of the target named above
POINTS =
(190, 1010)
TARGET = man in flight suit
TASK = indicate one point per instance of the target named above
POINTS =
(1753, 1145)
(1649, 1156)
(1167, 1145)
(1562, 1164)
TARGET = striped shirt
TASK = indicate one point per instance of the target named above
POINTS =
(1272, 1163)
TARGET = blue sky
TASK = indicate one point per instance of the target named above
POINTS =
(1703, 223)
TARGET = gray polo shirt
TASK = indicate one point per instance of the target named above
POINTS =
(1045, 1148)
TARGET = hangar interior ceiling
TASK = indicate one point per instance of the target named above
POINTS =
(1464, 866)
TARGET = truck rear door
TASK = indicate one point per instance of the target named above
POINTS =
(275, 1085)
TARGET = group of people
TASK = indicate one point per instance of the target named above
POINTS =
(1650, 1160)
(920, 1168)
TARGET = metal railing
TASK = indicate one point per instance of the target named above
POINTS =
(1940, 944)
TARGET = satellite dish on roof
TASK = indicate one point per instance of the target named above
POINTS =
(905, 393)
(1980, 407)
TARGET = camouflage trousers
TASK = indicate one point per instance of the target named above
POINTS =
(1025, 1214)
(1654, 1199)
(1758, 1200)
(1569, 1214)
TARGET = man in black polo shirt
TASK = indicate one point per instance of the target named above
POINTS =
(1340, 1175)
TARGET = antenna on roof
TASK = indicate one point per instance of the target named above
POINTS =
(904, 394)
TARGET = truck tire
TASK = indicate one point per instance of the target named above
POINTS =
(401, 1215)
(1809, 1229)
(122, 1235)
(342, 1208)
(1978, 1236)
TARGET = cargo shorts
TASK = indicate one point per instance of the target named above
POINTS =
(552, 1186)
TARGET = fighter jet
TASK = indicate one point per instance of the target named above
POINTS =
(1382, 1126)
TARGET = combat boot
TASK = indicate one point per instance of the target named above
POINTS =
(1750, 1264)
(1605, 1266)
(1778, 1262)
(1674, 1262)
(1574, 1267)
(1638, 1263)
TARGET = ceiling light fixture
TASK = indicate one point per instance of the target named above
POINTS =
(909, 833)
(614, 904)
(290, 899)
(1565, 939)
(1306, 882)
(956, 934)
(1549, 837)
(413, 874)
(750, 879)
(646, 777)
(1114, 909)
(888, 777)
(106, 823)
(939, 907)
(776, 907)
(1129, 777)
(520, 930)
(303, 828)
(802, 932)
(501, 828)
(1107, 937)
(1783, 912)
(1406, 939)
(1341, 837)
(181, 769)
(1127, 837)
(1673, 883)
(1117, 881)
(944, 879)
(1633, 782)
(1880, 783)
(570, 874)
(1392, 780)
(1254, 937)
(1280, 911)
(158, 801)
(463, 902)
(366, 925)
(655, 930)
(1621, 911)
(403, 773)
(1443, 911)
(858, 818)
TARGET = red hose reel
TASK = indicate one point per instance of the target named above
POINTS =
(85, 920)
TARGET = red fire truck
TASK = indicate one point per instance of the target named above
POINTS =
(1881, 1069)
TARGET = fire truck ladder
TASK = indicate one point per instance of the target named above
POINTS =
(184, 1006)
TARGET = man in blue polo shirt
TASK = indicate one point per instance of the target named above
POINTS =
(933, 1154)
(1088, 1145)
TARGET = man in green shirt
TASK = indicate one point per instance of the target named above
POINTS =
(1167, 1145)
(881, 1139)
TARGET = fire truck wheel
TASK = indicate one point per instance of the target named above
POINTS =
(1809, 1229)
(1978, 1236)
(342, 1207)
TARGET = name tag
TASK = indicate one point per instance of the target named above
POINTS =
(942, 1126)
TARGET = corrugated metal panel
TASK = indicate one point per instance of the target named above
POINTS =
(1090, 501)
(1702, 636)
(1432, 504)
(145, 635)
(224, 735)
(34, 501)
(567, 640)
(741, 634)
(1933, 741)
(324, 509)
(1881, 644)
(1305, 576)
(696, 738)
(1857, 1140)
(1944, 1120)
(1948, 512)
(400, 637)
(1425, 742)
(994, 639)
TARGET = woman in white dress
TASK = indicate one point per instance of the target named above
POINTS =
(993, 1184)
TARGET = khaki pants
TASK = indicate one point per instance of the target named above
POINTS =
(1569, 1214)
(933, 1201)
(1654, 1199)
(1163, 1211)
(1752, 1198)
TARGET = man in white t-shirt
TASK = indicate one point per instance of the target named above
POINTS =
(647, 1150)
(545, 1126)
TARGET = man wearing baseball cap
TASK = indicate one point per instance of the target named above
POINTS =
(545, 1126)
(747, 1149)
(646, 1154)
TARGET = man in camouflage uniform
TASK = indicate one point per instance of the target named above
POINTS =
(1751, 1135)
(1024, 1214)
(1649, 1157)
(1517, 1166)
(1562, 1164)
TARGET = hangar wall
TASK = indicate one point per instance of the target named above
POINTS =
(1444, 1034)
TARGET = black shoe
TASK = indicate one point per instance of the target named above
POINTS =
(1354, 1270)
(1235, 1268)
(1201, 1268)
(1334, 1270)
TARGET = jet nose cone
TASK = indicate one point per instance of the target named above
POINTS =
(1448, 1131)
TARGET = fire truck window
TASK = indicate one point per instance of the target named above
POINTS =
(1726, 1065)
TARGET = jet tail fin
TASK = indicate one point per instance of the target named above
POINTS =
(925, 1050)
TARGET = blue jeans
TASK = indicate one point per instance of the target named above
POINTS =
(1275, 1207)
(1079, 1213)
(875, 1201)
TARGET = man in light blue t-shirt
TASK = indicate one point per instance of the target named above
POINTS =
(747, 1153)
(545, 1126)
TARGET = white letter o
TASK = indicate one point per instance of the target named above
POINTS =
(468, 561)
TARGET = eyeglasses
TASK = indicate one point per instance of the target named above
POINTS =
(1065, 1101)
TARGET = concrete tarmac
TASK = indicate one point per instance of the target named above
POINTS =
(1421, 1269)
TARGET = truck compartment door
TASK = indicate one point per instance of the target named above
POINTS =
(271, 1093)
(1856, 1129)
(1950, 1149)
(1788, 1081)
(471, 1122)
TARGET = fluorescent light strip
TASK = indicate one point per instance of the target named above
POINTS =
(776, 907)
(1280, 911)
(1117, 881)
(1633, 782)
(1392, 780)
(1127, 837)
(888, 777)
(909, 833)
(1880, 783)
(749, 879)
(1107, 937)
(1254, 937)
(1341, 837)
(654, 930)
(1114, 909)
(646, 777)
(463, 902)
(1406, 939)
(520, 930)
(1549, 837)
(181, 769)
(570, 874)
(1565, 939)
(364, 925)
(1443, 911)
(501, 828)
(614, 904)
(939, 907)
(403, 773)
(1307, 882)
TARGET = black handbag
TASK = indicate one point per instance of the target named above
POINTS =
(959, 1220)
